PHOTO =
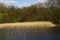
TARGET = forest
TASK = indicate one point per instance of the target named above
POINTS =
(29, 14)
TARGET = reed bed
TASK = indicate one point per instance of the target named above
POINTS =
(28, 25)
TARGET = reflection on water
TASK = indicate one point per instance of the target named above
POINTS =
(30, 34)
(56, 33)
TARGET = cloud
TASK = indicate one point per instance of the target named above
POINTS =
(20, 3)
(8, 2)
(41, 1)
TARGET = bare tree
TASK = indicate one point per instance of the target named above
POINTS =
(54, 3)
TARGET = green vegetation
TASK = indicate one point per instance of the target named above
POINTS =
(32, 13)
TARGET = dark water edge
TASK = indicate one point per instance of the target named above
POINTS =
(30, 34)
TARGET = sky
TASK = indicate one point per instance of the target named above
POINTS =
(20, 3)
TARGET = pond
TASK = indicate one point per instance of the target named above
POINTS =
(30, 34)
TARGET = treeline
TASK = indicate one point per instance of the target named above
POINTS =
(26, 14)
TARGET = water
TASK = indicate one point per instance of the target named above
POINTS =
(30, 34)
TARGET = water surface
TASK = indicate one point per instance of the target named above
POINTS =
(30, 34)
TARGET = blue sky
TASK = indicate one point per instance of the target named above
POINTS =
(20, 3)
